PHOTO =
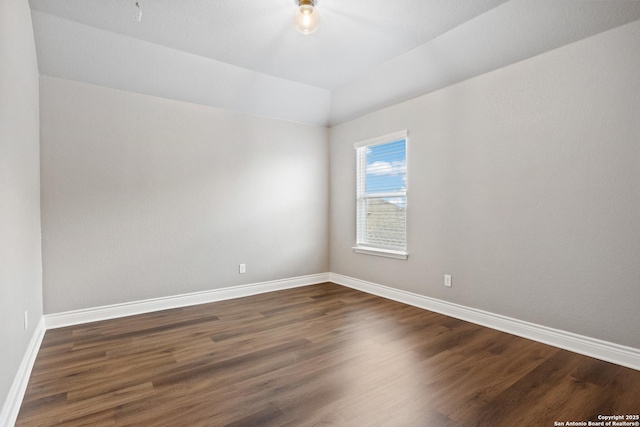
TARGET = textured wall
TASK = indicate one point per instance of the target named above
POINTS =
(20, 262)
(145, 197)
(523, 184)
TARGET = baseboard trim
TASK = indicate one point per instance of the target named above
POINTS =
(12, 403)
(78, 317)
(603, 350)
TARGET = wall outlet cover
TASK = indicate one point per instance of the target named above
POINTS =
(447, 280)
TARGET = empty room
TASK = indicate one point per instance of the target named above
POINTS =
(320, 212)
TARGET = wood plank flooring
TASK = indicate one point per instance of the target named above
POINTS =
(320, 355)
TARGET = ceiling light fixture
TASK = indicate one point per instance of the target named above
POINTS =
(306, 16)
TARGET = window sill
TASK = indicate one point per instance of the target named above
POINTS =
(387, 253)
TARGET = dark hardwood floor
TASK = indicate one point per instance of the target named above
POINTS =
(314, 356)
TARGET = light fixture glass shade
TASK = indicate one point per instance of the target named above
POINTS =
(306, 17)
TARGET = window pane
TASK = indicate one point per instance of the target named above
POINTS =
(381, 175)
(386, 168)
(386, 222)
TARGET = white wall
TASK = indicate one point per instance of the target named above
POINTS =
(524, 184)
(146, 197)
(20, 262)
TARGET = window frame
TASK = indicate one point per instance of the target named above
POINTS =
(361, 164)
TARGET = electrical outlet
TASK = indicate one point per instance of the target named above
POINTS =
(26, 320)
(242, 268)
(447, 280)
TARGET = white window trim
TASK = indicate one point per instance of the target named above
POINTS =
(382, 139)
(375, 251)
(387, 253)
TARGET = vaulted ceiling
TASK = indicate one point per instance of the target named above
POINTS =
(245, 55)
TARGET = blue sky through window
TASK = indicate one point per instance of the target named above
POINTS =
(386, 168)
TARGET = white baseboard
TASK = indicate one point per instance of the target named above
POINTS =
(11, 406)
(603, 350)
(114, 311)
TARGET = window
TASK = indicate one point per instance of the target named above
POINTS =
(381, 176)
